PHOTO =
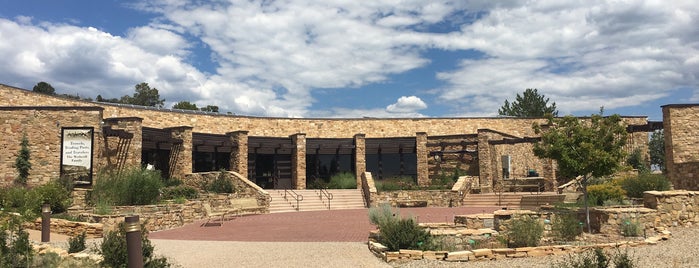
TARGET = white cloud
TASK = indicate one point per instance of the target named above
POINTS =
(582, 56)
(406, 105)
(158, 41)
(272, 55)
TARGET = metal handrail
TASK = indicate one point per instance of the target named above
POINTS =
(294, 195)
(328, 195)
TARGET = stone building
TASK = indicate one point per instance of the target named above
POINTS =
(272, 152)
(681, 127)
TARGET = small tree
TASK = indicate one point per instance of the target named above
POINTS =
(656, 149)
(22, 163)
(589, 148)
(44, 88)
(530, 104)
(185, 105)
(210, 108)
(144, 96)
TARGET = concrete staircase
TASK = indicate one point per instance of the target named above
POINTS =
(342, 199)
(512, 200)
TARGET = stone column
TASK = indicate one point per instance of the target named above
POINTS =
(239, 152)
(423, 173)
(123, 141)
(298, 161)
(181, 153)
(359, 157)
(485, 162)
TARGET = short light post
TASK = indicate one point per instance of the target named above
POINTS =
(134, 248)
(45, 223)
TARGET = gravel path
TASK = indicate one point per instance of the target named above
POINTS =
(679, 251)
(189, 253)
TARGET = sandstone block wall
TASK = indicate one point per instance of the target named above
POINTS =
(488, 165)
(43, 125)
(681, 126)
(434, 198)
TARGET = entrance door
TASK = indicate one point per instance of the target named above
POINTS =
(273, 171)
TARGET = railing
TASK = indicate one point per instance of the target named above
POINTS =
(293, 195)
(328, 195)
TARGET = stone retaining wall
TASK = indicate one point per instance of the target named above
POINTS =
(70, 228)
(434, 198)
(675, 208)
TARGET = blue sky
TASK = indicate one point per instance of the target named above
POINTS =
(384, 58)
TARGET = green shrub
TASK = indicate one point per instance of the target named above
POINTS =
(396, 184)
(134, 186)
(630, 227)
(47, 260)
(596, 258)
(635, 186)
(399, 233)
(114, 252)
(76, 243)
(28, 202)
(344, 180)
(15, 249)
(603, 192)
(52, 193)
(381, 214)
(566, 226)
(222, 184)
(637, 161)
(404, 233)
(523, 231)
(184, 191)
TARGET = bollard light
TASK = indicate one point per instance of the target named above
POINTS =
(46, 223)
(134, 248)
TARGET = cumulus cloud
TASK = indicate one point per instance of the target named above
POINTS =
(406, 105)
(582, 56)
(271, 56)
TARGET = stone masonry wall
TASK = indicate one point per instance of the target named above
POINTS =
(681, 126)
(42, 125)
(434, 198)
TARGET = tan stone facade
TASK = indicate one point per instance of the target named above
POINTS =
(681, 126)
(438, 146)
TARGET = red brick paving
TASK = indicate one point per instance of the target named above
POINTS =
(351, 225)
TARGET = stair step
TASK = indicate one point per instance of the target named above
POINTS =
(342, 199)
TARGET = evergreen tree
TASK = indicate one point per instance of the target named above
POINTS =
(22, 163)
(44, 88)
(530, 104)
(656, 147)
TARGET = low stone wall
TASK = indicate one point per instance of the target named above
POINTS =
(70, 228)
(434, 198)
(498, 253)
(675, 208)
(462, 254)
(171, 215)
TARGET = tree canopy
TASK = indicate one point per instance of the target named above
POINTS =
(144, 96)
(210, 108)
(656, 149)
(589, 147)
(529, 104)
(185, 105)
(45, 88)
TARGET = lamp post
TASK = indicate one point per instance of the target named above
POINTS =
(45, 223)
(134, 248)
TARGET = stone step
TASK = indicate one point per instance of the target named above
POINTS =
(342, 199)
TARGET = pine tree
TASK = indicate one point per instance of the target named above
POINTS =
(22, 163)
